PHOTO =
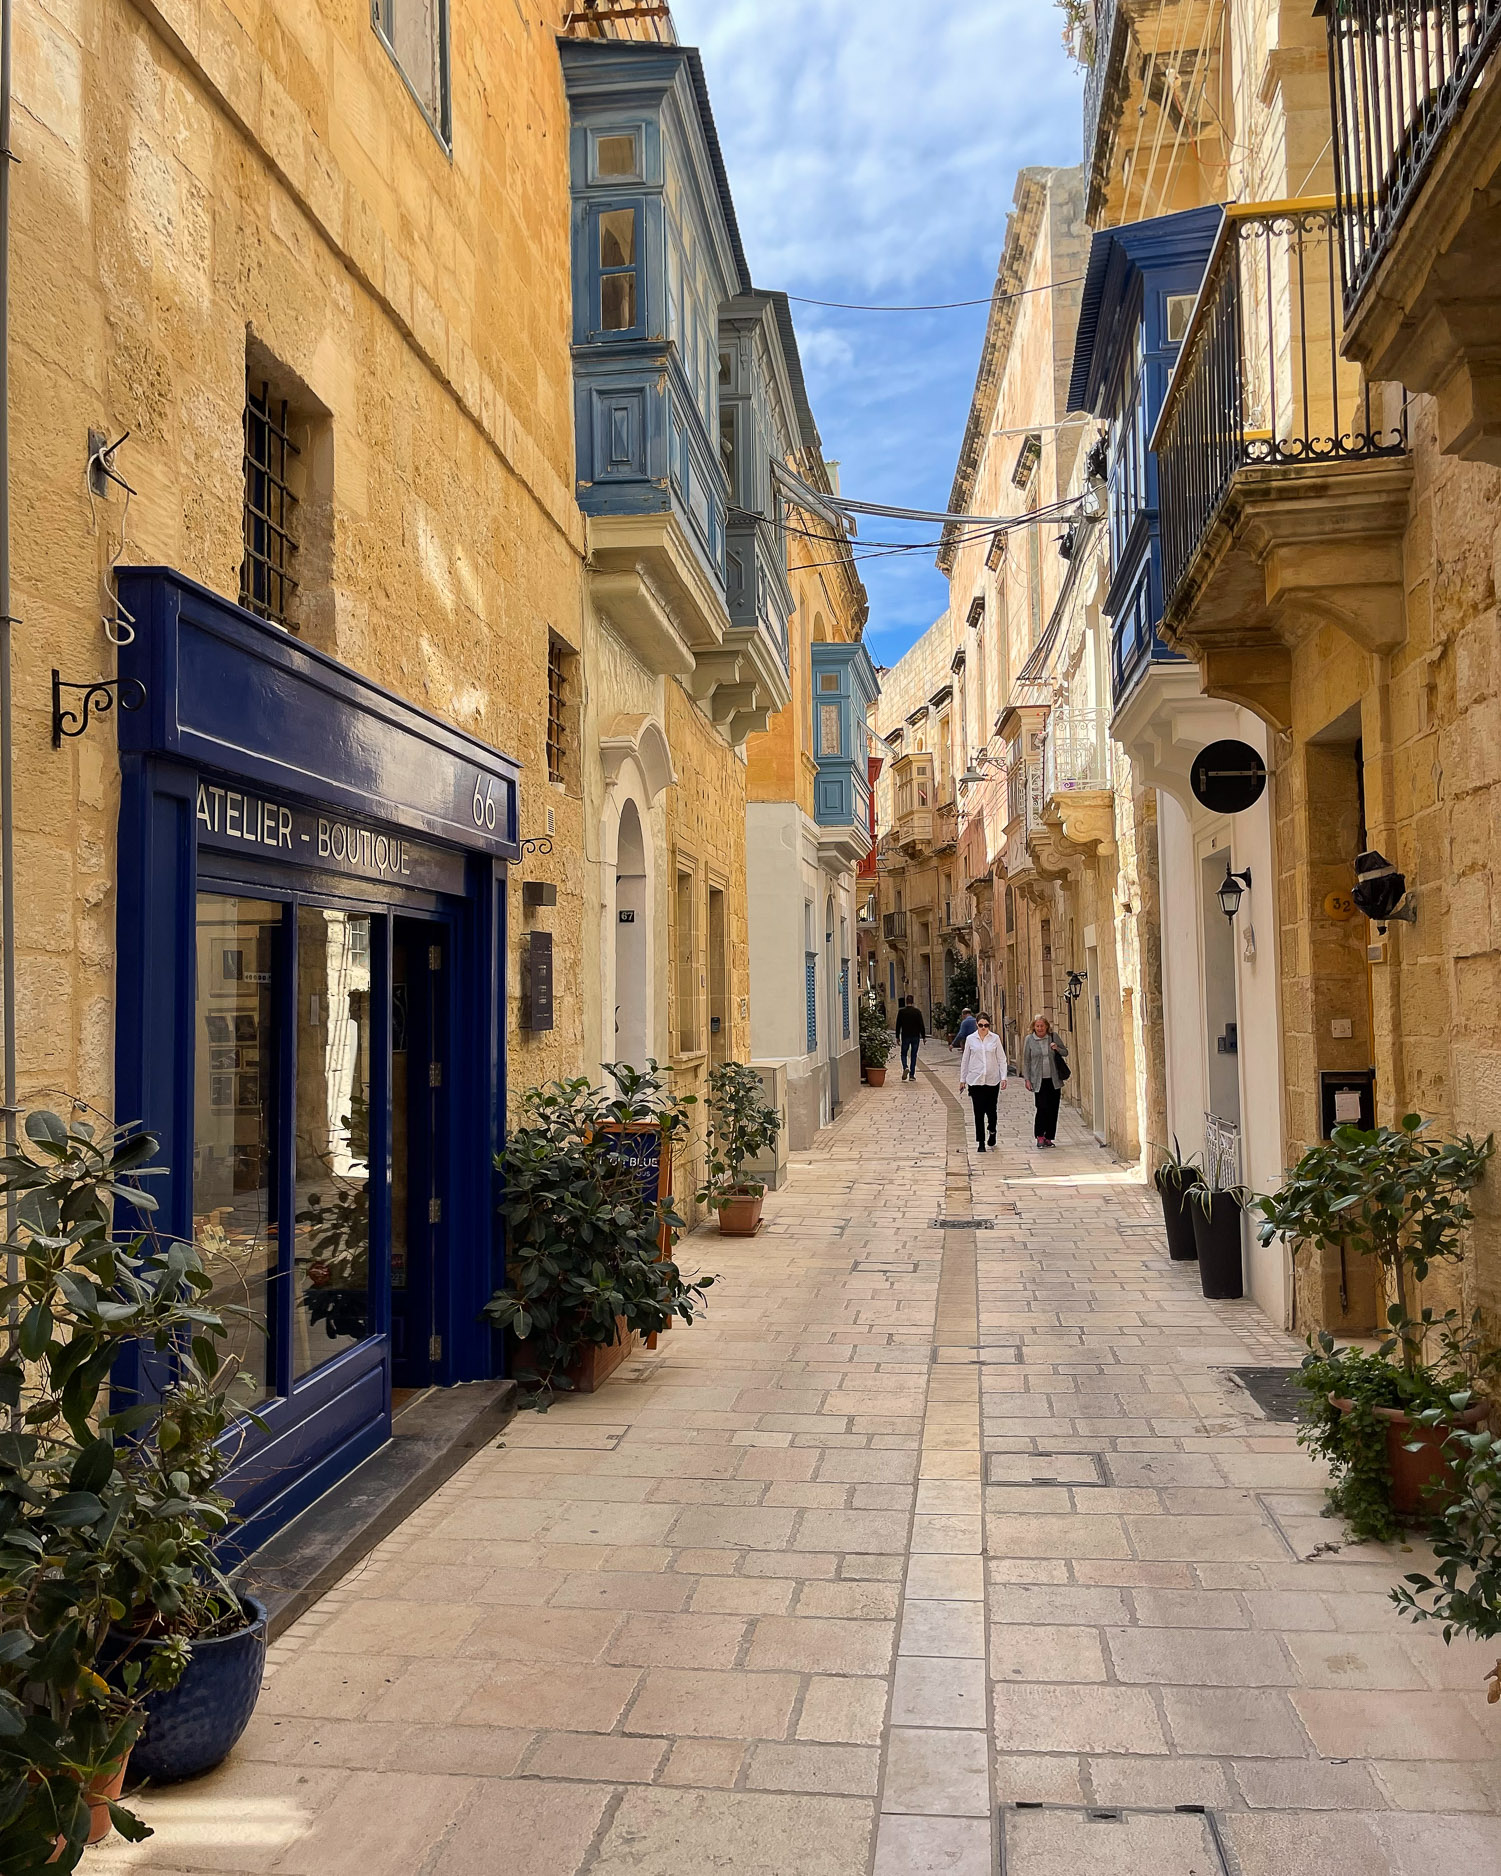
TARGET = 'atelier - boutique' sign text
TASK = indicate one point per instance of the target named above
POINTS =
(230, 818)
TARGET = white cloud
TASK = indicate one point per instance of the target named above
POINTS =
(872, 149)
(873, 142)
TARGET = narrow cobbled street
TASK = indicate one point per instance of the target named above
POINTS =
(929, 1550)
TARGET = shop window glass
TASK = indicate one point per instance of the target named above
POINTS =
(331, 1262)
(234, 1126)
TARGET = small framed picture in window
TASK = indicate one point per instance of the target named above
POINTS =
(248, 1089)
(221, 1090)
(218, 1027)
(219, 1059)
(233, 967)
(247, 1029)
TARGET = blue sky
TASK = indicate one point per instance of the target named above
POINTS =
(872, 149)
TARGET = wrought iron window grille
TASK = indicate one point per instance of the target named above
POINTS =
(267, 584)
(557, 695)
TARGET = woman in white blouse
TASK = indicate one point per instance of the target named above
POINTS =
(982, 1073)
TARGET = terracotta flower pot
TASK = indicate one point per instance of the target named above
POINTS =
(740, 1217)
(100, 1791)
(876, 1077)
(1414, 1473)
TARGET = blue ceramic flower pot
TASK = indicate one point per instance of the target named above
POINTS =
(195, 1725)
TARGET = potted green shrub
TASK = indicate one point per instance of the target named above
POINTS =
(1175, 1179)
(875, 1043)
(1385, 1427)
(742, 1124)
(586, 1265)
(1397, 1196)
(103, 1533)
(1464, 1592)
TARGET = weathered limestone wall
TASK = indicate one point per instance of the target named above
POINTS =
(195, 178)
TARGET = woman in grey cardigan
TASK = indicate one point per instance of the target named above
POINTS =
(1040, 1054)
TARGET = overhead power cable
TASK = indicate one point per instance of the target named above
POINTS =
(937, 306)
(835, 509)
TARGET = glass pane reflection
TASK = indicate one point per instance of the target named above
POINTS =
(234, 1125)
(331, 1258)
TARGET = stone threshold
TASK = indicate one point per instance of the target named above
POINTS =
(432, 1435)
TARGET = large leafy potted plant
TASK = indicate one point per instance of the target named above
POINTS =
(1385, 1427)
(1175, 1179)
(742, 1123)
(586, 1267)
(1401, 1198)
(1464, 1591)
(103, 1535)
(875, 1043)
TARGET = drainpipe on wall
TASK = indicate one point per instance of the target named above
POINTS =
(7, 808)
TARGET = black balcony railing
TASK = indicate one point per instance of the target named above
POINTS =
(1400, 72)
(1260, 380)
(1100, 46)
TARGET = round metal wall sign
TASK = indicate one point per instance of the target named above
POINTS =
(1228, 777)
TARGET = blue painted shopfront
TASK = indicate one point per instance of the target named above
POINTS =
(311, 1014)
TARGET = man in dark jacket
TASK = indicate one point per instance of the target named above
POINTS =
(910, 1031)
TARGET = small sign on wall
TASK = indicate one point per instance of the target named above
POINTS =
(1349, 1099)
(536, 980)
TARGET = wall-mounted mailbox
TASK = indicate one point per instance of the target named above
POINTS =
(536, 980)
(538, 892)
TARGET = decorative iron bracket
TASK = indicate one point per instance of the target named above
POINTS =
(542, 845)
(99, 696)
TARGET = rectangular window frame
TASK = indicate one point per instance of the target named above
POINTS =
(597, 273)
(381, 20)
(557, 702)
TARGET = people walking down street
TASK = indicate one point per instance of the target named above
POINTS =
(910, 1031)
(965, 1030)
(1045, 1069)
(982, 1073)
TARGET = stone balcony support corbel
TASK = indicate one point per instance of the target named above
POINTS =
(1294, 547)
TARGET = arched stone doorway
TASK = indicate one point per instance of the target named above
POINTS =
(632, 941)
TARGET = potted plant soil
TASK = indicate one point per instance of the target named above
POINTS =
(742, 1124)
(875, 1043)
(586, 1268)
(1175, 1179)
(1216, 1212)
(104, 1532)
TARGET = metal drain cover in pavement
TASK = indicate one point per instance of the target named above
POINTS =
(963, 1224)
(1272, 1390)
(1054, 1840)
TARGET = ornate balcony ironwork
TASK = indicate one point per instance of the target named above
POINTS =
(1221, 1151)
(1100, 44)
(1400, 72)
(1077, 756)
(1260, 381)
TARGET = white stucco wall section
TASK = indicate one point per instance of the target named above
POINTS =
(783, 875)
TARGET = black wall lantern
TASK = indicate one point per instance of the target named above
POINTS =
(1073, 991)
(1380, 890)
(1233, 888)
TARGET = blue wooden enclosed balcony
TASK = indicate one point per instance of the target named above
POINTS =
(676, 403)
(844, 688)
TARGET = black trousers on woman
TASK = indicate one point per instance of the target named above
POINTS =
(985, 1100)
(1048, 1096)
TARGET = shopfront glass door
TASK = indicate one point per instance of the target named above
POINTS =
(420, 1136)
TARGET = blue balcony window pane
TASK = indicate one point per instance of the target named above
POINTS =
(810, 975)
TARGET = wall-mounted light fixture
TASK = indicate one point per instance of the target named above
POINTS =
(1233, 888)
(1380, 890)
(1073, 990)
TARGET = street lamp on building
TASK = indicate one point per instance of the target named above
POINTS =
(1232, 889)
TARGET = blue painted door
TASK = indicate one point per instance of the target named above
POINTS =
(421, 1138)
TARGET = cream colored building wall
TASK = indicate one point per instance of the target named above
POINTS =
(193, 175)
